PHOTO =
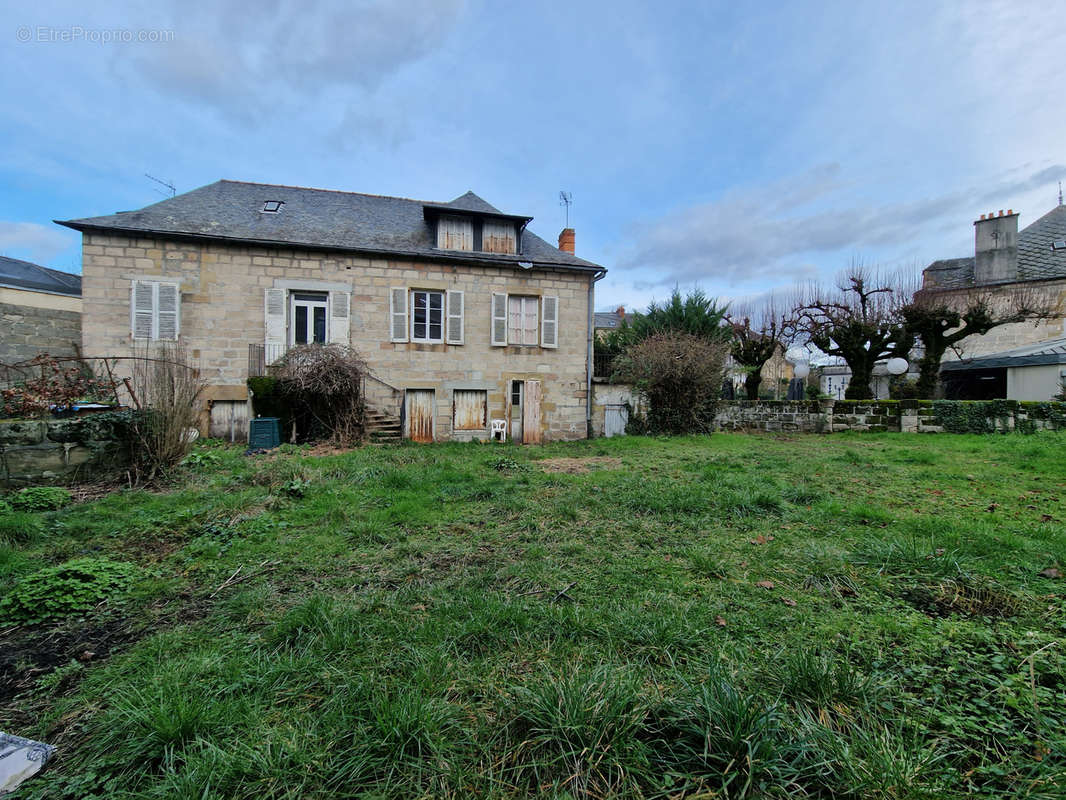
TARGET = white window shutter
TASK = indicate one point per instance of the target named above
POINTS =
(398, 314)
(549, 322)
(168, 310)
(340, 327)
(499, 319)
(455, 326)
(274, 320)
(142, 309)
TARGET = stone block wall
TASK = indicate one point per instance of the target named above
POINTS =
(28, 331)
(895, 416)
(63, 450)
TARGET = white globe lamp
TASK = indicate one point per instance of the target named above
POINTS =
(801, 370)
(897, 366)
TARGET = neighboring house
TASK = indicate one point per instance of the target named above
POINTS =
(607, 321)
(40, 311)
(835, 375)
(463, 315)
(1006, 260)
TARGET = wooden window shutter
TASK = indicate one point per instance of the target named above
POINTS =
(142, 309)
(340, 327)
(398, 314)
(549, 322)
(168, 310)
(274, 317)
(454, 331)
(499, 319)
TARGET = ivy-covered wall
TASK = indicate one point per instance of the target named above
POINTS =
(900, 416)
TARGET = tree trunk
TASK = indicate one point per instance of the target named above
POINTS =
(751, 383)
(862, 373)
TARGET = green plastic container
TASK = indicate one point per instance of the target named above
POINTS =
(264, 433)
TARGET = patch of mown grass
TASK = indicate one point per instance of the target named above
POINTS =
(730, 616)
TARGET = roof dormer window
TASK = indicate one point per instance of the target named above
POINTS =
(271, 206)
(455, 233)
(498, 237)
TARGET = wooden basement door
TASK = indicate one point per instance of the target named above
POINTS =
(531, 413)
(418, 415)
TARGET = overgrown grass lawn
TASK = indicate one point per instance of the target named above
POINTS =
(869, 616)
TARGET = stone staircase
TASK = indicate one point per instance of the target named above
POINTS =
(383, 428)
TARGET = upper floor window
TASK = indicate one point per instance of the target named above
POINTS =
(427, 316)
(524, 320)
(522, 327)
(455, 233)
(155, 310)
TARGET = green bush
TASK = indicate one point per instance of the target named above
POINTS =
(5, 507)
(69, 588)
(40, 498)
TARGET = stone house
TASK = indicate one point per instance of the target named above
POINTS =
(40, 311)
(1010, 361)
(463, 315)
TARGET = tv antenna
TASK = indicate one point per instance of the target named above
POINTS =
(168, 184)
(566, 199)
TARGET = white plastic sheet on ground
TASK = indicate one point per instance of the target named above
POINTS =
(20, 759)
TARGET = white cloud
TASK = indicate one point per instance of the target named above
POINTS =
(38, 243)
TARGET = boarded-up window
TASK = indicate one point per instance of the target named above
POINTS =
(498, 237)
(470, 412)
(522, 325)
(455, 233)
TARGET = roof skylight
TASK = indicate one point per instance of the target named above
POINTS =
(271, 206)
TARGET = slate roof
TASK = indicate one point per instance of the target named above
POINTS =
(1037, 260)
(26, 275)
(607, 319)
(319, 219)
(1049, 351)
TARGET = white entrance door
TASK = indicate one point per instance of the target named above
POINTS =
(308, 315)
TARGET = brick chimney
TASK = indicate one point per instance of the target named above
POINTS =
(996, 247)
(566, 240)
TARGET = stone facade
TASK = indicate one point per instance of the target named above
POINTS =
(32, 323)
(222, 290)
(1051, 293)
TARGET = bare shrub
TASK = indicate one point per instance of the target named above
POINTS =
(325, 386)
(166, 389)
(680, 375)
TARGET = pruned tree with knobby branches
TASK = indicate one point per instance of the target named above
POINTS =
(759, 330)
(943, 319)
(859, 321)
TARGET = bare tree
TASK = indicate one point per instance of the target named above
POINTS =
(759, 330)
(942, 319)
(859, 321)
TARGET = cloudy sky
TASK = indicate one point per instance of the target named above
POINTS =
(734, 146)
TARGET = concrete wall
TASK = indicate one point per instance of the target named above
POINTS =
(222, 312)
(32, 323)
(605, 394)
(63, 450)
(1041, 382)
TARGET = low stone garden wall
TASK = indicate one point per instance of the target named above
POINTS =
(899, 416)
(64, 450)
